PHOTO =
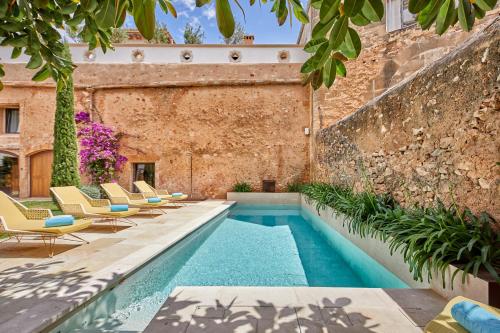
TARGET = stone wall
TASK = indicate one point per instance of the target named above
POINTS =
(204, 127)
(434, 135)
(385, 60)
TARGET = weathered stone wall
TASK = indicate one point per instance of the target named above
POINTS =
(386, 59)
(435, 135)
(208, 126)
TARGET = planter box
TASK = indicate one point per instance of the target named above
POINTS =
(478, 288)
(264, 198)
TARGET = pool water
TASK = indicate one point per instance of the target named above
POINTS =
(252, 246)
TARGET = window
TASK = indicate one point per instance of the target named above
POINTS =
(11, 120)
(146, 172)
(397, 15)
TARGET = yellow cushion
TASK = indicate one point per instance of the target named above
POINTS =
(444, 322)
(104, 211)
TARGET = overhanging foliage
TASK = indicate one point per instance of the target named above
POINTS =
(32, 27)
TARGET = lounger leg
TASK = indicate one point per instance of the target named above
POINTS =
(79, 238)
(126, 220)
(49, 242)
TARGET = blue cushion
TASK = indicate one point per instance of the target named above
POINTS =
(474, 318)
(119, 208)
(177, 194)
(154, 200)
(59, 221)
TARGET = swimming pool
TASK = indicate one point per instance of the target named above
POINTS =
(251, 246)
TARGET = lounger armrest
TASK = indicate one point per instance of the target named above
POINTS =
(149, 195)
(135, 196)
(3, 225)
(162, 192)
(37, 213)
(73, 209)
(99, 202)
(119, 200)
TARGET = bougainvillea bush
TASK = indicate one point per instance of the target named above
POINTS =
(99, 145)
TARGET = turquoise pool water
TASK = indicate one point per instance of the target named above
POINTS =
(252, 246)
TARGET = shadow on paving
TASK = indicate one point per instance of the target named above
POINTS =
(30, 296)
(331, 316)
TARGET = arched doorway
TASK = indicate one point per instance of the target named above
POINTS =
(9, 173)
(40, 173)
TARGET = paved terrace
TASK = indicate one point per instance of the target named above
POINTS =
(36, 290)
(296, 309)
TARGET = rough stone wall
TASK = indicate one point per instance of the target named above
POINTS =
(208, 126)
(386, 59)
(434, 135)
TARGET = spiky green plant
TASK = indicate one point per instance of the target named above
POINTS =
(430, 239)
(242, 187)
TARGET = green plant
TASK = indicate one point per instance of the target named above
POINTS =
(242, 187)
(92, 191)
(161, 35)
(65, 163)
(118, 35)
(33, 26)
(294, 187)
(429, 238)
(237, 36)
(193, 34)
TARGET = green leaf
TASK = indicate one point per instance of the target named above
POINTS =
(105, 16)
(339, 31)
(373, 10)
(316, 4)
(415, 6)
(314, 44)
(315, 60)
(341, 70)
(465, 14)
(478, 12)
(200, 3)
(486, 4)
(329, 72)
(321, 29)
(69, 9)
(144, 17)
(360, 20)
(16, 52)
(89, 5)
(351, 47)
(329, 8)
(225, 19)
(352, 7)
(35, 61)
(42, 74)
(121, 13)
(300, 14)
(447, 13)
(317, 79)
(427, 16)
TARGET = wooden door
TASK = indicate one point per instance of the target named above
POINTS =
(40, 173)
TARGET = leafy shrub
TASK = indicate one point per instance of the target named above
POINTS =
(294, 187)
(429, 238)
(99, 150)
(92, 191)
(242, 187)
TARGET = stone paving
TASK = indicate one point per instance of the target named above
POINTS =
(35, 290)
(295, 309)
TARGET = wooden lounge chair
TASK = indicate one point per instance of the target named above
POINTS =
(74, 202)
(17, 221)
(119, 196)
(445, 323)
(149, 191)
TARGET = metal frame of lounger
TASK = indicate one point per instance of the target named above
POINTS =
(48, 238)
